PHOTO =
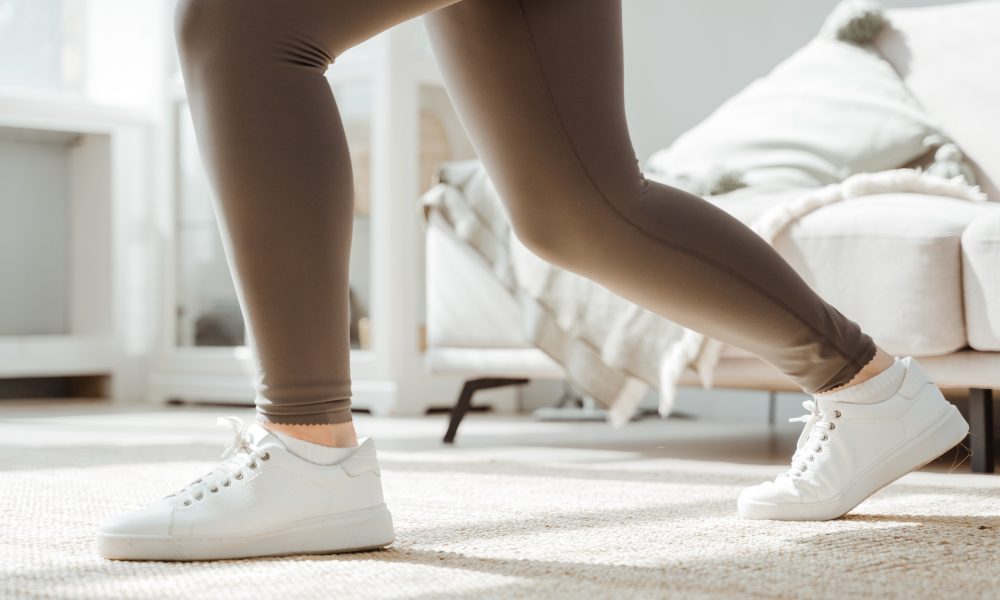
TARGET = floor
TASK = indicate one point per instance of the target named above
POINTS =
(46, 423)
(517, 508)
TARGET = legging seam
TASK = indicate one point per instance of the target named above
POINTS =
(268, 409)
(590, 179)
(281, 415)
(311, 402)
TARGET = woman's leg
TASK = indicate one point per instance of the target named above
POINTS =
(538, 85)
(274, 149)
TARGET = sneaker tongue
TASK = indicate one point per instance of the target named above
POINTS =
(824, 404)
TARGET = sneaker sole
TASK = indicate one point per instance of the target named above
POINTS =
(356, 531)
(947, 432)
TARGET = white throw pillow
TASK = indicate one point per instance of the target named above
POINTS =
(830, 110)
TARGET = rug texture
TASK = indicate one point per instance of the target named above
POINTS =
(471, 527)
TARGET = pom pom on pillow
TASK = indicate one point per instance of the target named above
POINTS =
(854, 22)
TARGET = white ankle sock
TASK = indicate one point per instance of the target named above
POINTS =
(870, 391)
(314, 453)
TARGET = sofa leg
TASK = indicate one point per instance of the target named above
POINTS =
(465, 400)
(772, 408)
(981, 430)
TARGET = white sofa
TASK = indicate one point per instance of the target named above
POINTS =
(923, 281)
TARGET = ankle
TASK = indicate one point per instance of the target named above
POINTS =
(336, 435)
(879, 363)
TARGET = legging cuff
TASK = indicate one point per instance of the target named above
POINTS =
(328, 417)
(852, 367)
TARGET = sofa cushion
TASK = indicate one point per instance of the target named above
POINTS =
(981, 276)
(949, 57)
(891, 262)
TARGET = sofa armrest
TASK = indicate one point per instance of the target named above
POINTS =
(981, 281)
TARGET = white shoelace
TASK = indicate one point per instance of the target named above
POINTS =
(813, 439)
(238, 455)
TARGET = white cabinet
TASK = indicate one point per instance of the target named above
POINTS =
(400, 125)
(74, 243)
(76, 155)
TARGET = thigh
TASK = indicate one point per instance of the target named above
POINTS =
(539, 87)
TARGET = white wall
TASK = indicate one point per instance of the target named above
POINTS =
(683, 58)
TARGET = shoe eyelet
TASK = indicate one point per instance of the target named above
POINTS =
(226, 483)
(199, 496)
(804, 468)
(238, 475)
(253, 465)
(837, 414)
(818, 449)
(187, 503)
(825, 437)
(265, 456)
(832, 426)
(214, 490)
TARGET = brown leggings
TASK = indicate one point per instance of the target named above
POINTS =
(538, 86)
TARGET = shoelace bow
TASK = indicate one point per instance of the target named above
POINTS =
(812, 439)
(238, 454)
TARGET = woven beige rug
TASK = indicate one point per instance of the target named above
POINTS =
(470, 527)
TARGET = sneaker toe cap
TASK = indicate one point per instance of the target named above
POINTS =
(770, 492)
(154, 519)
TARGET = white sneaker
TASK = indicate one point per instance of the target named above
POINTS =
(848, 451)
(261, 500)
